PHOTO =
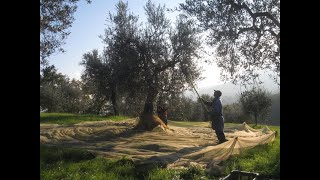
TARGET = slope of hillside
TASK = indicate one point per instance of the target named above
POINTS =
(275, 110)
(230, 92)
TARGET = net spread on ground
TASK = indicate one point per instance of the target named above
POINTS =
(175, 149)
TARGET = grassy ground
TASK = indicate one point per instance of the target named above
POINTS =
(187, 123)
(70, 163)
(263, 159)
(67, 163)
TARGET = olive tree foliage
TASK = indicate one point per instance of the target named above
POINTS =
(166, 55)
(74, 99)
(96, 78)
(56, 17)
(145, 62)
(246, 35)
(121, 53)
(50, 94)
(256, 102)
(113, 74)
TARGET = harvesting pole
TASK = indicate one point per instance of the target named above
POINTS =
(187, 75)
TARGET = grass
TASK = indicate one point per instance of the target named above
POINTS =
(188, 123)
(71, 163)
(263, 159)
(69, 119)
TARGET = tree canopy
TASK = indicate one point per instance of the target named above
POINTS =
(246, 35)
(56, 17)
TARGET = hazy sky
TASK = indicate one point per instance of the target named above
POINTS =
(90, 22)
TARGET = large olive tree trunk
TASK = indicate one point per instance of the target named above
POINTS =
(148, 120)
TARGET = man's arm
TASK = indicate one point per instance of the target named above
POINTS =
(206, 102)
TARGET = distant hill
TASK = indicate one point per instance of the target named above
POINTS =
(230, 92)
(275, 110)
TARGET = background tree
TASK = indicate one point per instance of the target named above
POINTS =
(97, 81)
(166, 55)
(150, 60)
(74, 99)
(121, 54)
(246, 35)
(233, 113)
(131, 105)
(180, 108)
(113, 73)
(59, 94)
(50, 94)
(256, 102)
(56, 17)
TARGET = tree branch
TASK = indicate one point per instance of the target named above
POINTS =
(268, 15)
(169, 64)
(255, 15)
(242, 30)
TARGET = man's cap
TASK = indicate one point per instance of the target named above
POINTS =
(217, 93)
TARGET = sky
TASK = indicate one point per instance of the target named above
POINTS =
(90, 22)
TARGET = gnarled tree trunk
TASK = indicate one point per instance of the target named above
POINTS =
(150, 101)
(148, 120)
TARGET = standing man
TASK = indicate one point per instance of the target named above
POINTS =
(215, 115)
